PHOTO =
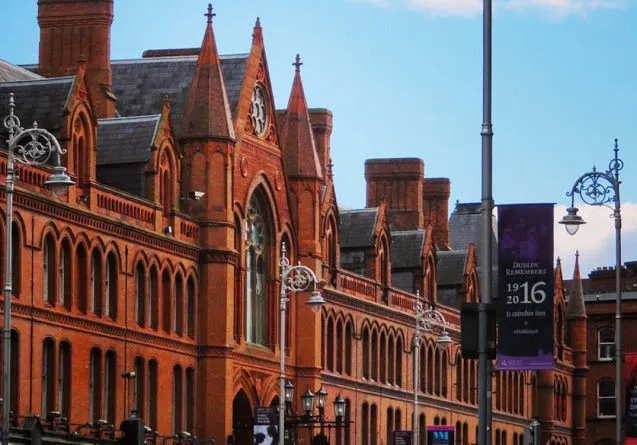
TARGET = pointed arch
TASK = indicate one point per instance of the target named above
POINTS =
(399, 358)
(260, 268)
(64, 281)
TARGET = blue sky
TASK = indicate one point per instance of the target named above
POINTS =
(403, 79)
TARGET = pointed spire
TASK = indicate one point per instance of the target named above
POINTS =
(576, 307)
(207, 111)
(297, 136)
(257, 31)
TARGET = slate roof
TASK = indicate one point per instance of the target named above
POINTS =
(140, 84)
(465, 226)
(10, 72)
(406, 248)
(357, 227)
(451, 265)
(126, 140)
(41, 100)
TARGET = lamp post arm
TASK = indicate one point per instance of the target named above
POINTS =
(597, 188)
(294, 279)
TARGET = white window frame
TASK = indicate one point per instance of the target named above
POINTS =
(599, 398)
(605, 346)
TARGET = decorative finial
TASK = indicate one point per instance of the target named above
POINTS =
(210, 14)
(257, 24)
(559, 261)
(297, 63)
(577, 256)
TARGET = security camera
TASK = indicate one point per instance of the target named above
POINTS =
(196, 195)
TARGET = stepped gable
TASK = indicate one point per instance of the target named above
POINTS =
(41, 100)
(406, 248)
(357, 227)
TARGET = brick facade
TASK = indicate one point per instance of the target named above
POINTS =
(163, 258)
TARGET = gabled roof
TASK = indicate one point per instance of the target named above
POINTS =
(465, 227)
(357, 227)
(406, 248)
(41, 100)
(451, 267)
(10, 73)
(126, 140)
(141, 84)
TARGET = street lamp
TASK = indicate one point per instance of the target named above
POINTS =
(426, 321)
(35, 146)
(294, 279)
(599, 189)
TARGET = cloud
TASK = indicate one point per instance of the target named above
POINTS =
(595, 240)
(474, 7)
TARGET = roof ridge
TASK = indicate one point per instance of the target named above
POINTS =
(147, 117)
(406, 232)
(173, 58)
(50, 81)
(366, 209)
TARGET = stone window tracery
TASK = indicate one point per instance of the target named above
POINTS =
(257, 266)
(259, 110)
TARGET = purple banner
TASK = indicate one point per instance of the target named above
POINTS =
(525, 287)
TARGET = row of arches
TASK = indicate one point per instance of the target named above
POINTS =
(434, 362)
(61, 376)
(169, 296)
(560, 395)
(382, 355)
(88, 278)
(510, 392)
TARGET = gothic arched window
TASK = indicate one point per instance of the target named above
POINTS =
(258, 261)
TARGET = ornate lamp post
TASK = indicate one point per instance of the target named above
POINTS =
(600, 189)
(308, 419)
(426, 321)
(35, 146)
(294, 279)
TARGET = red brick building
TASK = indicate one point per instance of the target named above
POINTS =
(163, 258)
(599, 293)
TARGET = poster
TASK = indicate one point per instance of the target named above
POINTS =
(525, 287)
(265, 431)
(440, 435)
(402, 437)
(630, 386)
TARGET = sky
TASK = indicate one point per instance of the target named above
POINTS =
(404, 79)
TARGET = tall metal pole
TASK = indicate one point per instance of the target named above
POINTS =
(8, 291)
(599, 188)
(294, 279)
(282, 304)
(416, 382)
(484, 371)
(619, 354)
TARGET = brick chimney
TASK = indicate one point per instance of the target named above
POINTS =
(399, 181)
(71, 30)
(435, 204)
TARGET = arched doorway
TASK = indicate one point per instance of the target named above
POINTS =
(242, 419)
